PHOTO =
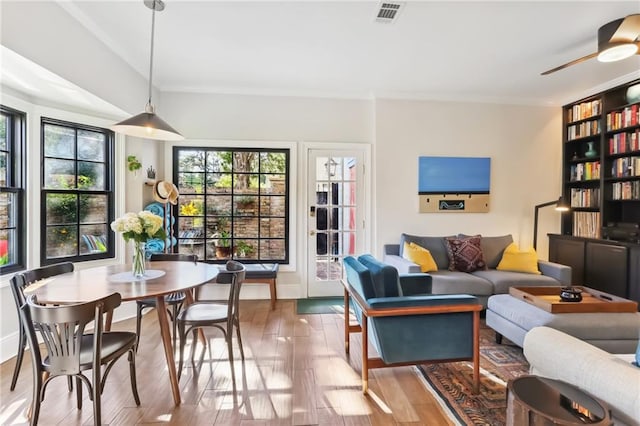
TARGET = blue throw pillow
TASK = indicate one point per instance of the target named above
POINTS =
(637, 363)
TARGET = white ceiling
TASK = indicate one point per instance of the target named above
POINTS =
(451, 50)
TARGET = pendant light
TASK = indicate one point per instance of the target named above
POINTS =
(147, 124)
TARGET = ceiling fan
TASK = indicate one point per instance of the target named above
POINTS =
(617, 40)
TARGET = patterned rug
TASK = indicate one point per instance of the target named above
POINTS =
(451, 383)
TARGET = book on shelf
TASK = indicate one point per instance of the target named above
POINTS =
(624, 142)
(629, 190)
(585, 171)
(585, 197)
(629, 116)
(584, 110)
(583, 130)
(586, 224)
(625, 167)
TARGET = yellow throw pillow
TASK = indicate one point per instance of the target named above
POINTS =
(516, 260)
(420, 256)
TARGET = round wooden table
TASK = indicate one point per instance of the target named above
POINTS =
(534, 400)
(94, 283)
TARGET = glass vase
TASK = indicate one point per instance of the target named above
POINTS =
(138, 265)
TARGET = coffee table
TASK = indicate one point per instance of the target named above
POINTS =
(533, 400)
(614, 332)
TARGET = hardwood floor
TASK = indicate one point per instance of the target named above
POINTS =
(295, 373)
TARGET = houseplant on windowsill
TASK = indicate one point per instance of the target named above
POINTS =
(139, 228)
(223, 246)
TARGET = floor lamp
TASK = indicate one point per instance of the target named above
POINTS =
(561, 206)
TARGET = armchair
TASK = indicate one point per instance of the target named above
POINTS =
(408, 329)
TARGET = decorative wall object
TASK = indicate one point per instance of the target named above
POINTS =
(454, 184)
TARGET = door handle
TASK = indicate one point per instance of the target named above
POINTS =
(312, 233)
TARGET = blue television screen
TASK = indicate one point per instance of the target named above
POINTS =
(454, 175)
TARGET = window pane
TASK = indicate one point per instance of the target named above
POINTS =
(93, 208)
(4, 170)
(4, 125)
(245, 161)
(218, 161)
(61, 209)
(59, 174)
(245, 183)
(218, 205)
(61, 241)
(8, 247)
(273, 206)
(245, 249)
(191, 183)
(8, 210)
(59, 141)
(273, 184)
(245, 227)
(91, 145)
(90, 175)
(219, 183)
(191, 205)
(191, 160)
(245, 205)
(272, 227)
(273, 162)
(93, 239)
(272, 249)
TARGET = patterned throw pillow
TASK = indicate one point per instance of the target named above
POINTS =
(465, 254)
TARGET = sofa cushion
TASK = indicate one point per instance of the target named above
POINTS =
(493, 248)
(502, 280)
(516, 260)
(420, 256)
(435, 245)
(455, 282)
(465, 254)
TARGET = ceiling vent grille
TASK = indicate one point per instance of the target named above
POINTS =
(388, 12)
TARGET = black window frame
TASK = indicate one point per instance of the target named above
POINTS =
(287, 173)
(109, 183)
(17, 176)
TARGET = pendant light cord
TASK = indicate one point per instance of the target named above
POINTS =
(153, 24)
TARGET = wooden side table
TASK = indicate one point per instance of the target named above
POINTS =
(539, 401)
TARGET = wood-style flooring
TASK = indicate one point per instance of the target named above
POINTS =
(295, 373)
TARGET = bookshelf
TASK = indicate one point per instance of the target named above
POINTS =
(600, 238)
(601, 164)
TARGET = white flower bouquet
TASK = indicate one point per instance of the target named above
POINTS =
(139, 227)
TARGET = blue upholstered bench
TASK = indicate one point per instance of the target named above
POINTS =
(263, 273)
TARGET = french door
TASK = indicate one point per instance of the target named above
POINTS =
(335, 216)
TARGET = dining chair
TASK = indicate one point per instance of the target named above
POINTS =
(175, 301)
(221, 315)
(70, 352)
(17, 289)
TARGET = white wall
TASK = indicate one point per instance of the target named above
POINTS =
(525, 146)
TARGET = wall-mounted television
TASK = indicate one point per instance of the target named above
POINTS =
(454, 175)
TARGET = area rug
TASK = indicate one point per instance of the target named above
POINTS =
(452, 383)
(320, 305)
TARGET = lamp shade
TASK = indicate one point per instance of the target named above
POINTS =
(562, 205)
(147, 125)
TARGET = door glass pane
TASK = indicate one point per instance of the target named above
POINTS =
(335, 269)
(349, 243)
(334, 168)
(349, 169)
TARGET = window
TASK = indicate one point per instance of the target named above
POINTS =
(233, 203)
(12, 184)
(77, 192)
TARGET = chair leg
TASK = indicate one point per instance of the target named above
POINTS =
(239, 340)
(70, 383)
(132, 375)
(37, 397)
(78, 392)
(183, 340)
(138, 324)
(96, 393)
(22, 345)
(174, 316)
(229, 338)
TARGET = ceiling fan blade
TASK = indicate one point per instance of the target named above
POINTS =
(629, 29)
(568, 64)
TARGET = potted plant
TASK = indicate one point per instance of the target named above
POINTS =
(246, 202)
(243, 249)
(223, 245)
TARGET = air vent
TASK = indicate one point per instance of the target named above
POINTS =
(388, 12)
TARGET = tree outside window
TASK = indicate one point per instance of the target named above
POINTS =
(233, 203)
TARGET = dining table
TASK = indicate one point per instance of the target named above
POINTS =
(160, 279)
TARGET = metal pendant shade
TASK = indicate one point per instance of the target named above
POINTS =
(147, 124)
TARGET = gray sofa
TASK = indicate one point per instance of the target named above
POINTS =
(481, 284)
(554, 354)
